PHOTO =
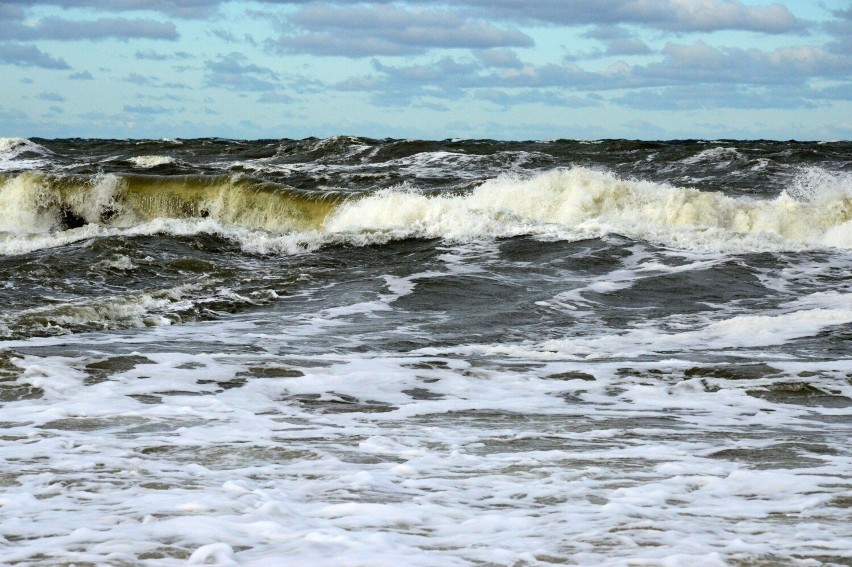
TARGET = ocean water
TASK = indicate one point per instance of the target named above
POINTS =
(464, 352)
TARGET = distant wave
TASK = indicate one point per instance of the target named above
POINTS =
(11, 150)
(151, 161)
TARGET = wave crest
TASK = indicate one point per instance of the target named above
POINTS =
(581, 202)
(574, 203)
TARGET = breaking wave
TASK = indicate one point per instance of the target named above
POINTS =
(46, 210)
(151, 161)
(21, 154)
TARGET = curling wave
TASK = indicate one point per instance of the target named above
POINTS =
(36, 203)
(561, 204)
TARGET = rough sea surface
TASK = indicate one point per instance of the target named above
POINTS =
(399, 352)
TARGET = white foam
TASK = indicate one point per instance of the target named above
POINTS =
(498, 469)
(803, 318)
(130, 310)
(580, 203)
(572, 204)
(716, 155)
(152, 161)
(11, 148)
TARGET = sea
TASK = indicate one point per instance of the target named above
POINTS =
(382, 352)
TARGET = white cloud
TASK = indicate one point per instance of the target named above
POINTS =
(363, 31)
(73, 30)
(671, 15)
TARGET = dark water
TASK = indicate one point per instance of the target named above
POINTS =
(448, 352)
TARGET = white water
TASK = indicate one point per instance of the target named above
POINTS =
(152, 161)
(563, 204)
(11, 148)
(501, 464)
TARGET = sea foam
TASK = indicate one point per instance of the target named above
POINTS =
(567, 204)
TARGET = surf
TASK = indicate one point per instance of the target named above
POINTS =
(568, 203)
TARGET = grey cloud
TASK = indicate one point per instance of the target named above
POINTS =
(229, 37)
(336, 45)
(72, 30)
(10, 12)
(627, 46)
(51, 96)
(232, 73)
(700, 62)
(29, 56)
(233, 64)
(446, 71)
(164, 97)
(275, 98)
(177, 8)
(436, 106)
(697, 73)
(536, 96)
(152, 81)
(448, 76)
(618, 41)
(151, 55)
(695, 97)
(139, 79)
(370, 30)
(843, 14)
(670, 15)
(837, 92)
(841, 30)
(149, 110)
(81, 76)
(500, 58)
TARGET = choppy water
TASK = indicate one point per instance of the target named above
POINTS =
(369, 352)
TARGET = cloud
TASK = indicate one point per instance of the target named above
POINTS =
(618, 41)
(364, 31)
(695, 97)
(275, 98)
(81, 76)
(702, 63)
(177, 8)
(842, 92)
(152, 81)
(688, 76)
(51, 96)
(233, 73)
(229, 37)
(29, 56)
(669, 15)
(552, 98)
(500, 58)
(139, 79)
(151, 55)
(841, 30)
(72, 30)
(148, 110)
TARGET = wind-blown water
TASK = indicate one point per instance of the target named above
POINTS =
(368, 352)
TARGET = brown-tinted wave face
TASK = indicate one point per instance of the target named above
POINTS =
(35, 201)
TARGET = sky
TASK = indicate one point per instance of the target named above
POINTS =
(502, 69)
